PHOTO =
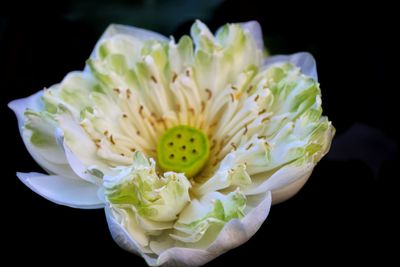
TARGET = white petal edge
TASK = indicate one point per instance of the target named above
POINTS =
(254, 29)
(63, 191)
(138, 33)
(304, 60)
(122, 237)
(33, 102)
(78, 167)
(85, 149)
(284, 183)
(234, 233)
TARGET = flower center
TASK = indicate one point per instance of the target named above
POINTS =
(183, 149)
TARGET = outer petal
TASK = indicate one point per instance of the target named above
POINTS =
(305, 61)
(254, 29)
(284, 183)
(234, 233)
(57, 166)
(137, 33)
(79, 148)
(68, 192)
(123, 238)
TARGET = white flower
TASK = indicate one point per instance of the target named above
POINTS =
(184, 143)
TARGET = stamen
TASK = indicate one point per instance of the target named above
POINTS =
(245, 129)
(215, 162)
(214, 142)
(112, 140)
(141, 110)
(214, 124)
(264, 119)
(209, 92)
(174, 76)
(249, 146)
(234, 146)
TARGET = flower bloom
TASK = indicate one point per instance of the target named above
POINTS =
(185, 144)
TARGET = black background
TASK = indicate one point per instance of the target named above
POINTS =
(344, 214)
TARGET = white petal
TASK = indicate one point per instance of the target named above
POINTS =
(254, 29)
(79, 149)
(305, 61)
(137, 33)
(20, 105)
(78, 166)
(57, 166)
(123, 239)
(284, 183)
(64, 191)
(287, 191)
(234, 233)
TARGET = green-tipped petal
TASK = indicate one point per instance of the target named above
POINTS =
(213, 209)
(138, 186)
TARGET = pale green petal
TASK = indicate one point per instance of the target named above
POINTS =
(72, 94)
(305, 61)
(53, 162)
(138, 34)
(125, 231)
(296, 129)
(138, 187)
(213, 210)
(233, 234)
(181, 54)
(41, 129)
(219, 59)
(228, 174)
(119, 61)
(80, 149)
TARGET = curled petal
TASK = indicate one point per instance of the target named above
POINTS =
(254, 28)
(284, 183)
(74, 193)
(138, 187)
(233, 234)
(57, 163)
(79, 149)
(305, 61)
(117, 29)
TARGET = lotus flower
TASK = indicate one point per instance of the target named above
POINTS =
(185, 144)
